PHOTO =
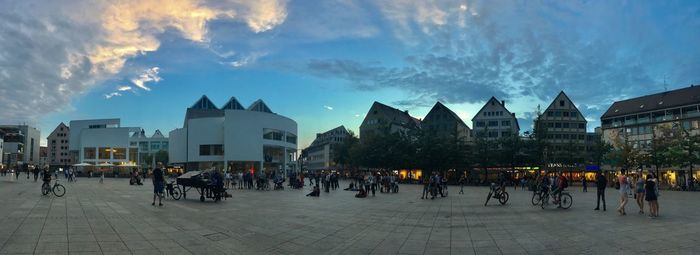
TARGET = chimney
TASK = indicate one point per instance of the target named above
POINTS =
(503, 102)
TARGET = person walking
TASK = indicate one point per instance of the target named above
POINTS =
(651, 195)
(639, 193)
(158, 182)
(584, 183)
(461, 184)
(624, 191)
(373, 182)
(601, 182)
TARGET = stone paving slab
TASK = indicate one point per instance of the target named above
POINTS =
(116, 218)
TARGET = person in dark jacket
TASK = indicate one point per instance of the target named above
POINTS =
(600, 182)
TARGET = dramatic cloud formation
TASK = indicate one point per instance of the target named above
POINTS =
(52, 51)
(466, 52)
(330, 108)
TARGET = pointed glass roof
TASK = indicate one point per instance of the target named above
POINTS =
(259, 106)
(204, 103)
(233, 104)
(157, 134)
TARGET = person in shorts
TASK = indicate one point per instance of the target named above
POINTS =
(158, 183)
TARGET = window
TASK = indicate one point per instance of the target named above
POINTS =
(581, 126)
(89, 153)
(505, 134)
(272, 134)
(557, 125)
(479, 123)
(561, 103)
(53, 141)
(557, 136)
(164, 146)
(211, 150)
(97, 126)
(104, 152)
(119, 153)
(566, 125)
(565, 136)
(155, 146)
(573, 114)
(143, 146)
(204, 150)
(493, 133)
(133, 144)
(505, 123)
(550, 114)
(291, 138)
(550, 124)
(581, 137)
(493, 123)
(557, 114)
(566, 114)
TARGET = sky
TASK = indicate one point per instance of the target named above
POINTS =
(323, 63)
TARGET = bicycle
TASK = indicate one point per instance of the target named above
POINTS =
(57, 189)
(497, 193)
(565, 202)
(536, 196)
(172, 190)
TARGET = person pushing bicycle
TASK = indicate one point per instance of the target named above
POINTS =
(561, 185)
(46, 178)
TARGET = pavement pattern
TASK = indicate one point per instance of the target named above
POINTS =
(116, 218)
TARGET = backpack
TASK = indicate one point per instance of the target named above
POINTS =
(617, 185)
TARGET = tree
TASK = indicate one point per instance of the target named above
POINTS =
(160, 156)
(343, 152)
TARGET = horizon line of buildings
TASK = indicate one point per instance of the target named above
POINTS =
(255, 138)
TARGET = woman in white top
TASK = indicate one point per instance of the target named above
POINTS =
(624, 190)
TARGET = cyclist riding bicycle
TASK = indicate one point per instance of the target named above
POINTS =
(502, 179)
(544, 185)
(561, 185)
(46, 176)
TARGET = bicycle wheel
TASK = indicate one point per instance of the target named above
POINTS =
(176, 193)
(45, 189)
(566, 201)
(488, 197)
(59, 190)
(544, 200)
(535, 198)
(503, 199)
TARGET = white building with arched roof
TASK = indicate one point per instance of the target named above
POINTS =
(234, 138)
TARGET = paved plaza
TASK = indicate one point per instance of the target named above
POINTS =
(115, 218)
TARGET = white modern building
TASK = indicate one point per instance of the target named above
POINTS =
(234, 138)
(102, 142)
(27, 147)
(151, 149)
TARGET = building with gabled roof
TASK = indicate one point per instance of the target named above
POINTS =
(383, 116)
(58, 153)
(443, 122)
(234, 138)
(565, 133)
(319, 155)
(494, 121)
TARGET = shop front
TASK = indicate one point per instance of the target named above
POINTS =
(410, 176)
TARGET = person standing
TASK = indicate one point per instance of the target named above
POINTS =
(639, 193)
(650, 195)
(624, 191)
(461, 184)
(373, 181)
(601, 182)
(584, 183)
(158, 182)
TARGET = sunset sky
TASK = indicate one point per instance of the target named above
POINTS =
(323, 63)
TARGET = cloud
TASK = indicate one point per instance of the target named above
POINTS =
(113, 94)
(328, 107)
(52, 52)
(124, 88)
(247, 60)
(148, 75)
(525, 53)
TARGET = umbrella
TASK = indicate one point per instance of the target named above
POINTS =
(82, 164)
(104, 164)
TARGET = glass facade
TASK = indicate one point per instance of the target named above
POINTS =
(89, 153)
(104, 153)
(119, 153)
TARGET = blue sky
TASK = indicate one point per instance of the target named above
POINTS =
(323, 63)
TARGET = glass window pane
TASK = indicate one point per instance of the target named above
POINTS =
(89, 153)
(119, 153)
(104, 152)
